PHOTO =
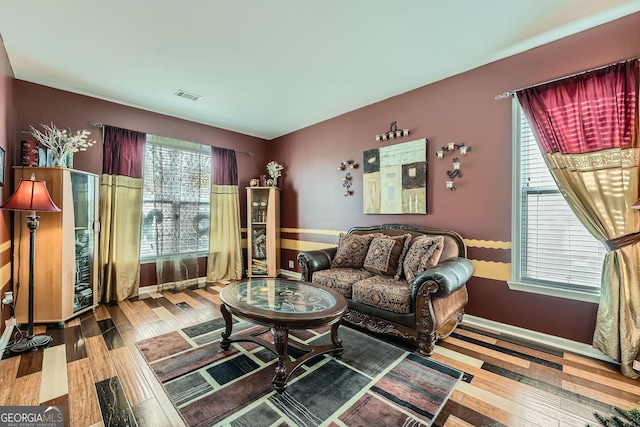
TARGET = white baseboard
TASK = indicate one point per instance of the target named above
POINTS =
(6, 336)
(291, 274)
(538, 337)
(202, 281)
(147, 289)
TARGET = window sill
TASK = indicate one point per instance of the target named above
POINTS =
(554, 292)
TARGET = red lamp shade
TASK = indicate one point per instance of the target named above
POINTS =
(31, 195)
(636, 205)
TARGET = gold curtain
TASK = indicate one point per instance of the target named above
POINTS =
(121, 222)
(225, 244)
(600, 187)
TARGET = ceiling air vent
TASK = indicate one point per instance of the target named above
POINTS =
(184, 94)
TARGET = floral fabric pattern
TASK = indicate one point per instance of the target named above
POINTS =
(384, 292)
(352, 250)
(423, 254)
(340, 280)
(386, 254)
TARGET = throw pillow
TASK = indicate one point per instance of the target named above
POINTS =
(423, 254)
(352, 250)
(386, 254)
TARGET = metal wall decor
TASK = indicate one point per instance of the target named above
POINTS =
(347, 164)
(346, 183)
(456, 172)
(347, 180)
(392, 133)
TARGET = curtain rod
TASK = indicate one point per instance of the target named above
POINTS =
(248, 153)
(513, 92)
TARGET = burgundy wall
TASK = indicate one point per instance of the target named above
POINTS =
(460, 109)
(38, 104)
(7, 129)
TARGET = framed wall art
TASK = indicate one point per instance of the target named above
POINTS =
(2, 166)
(395, 179)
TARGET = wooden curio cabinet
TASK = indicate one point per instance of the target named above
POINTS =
(263, 231)
(66, 255)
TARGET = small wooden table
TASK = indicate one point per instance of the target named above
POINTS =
(282, 305)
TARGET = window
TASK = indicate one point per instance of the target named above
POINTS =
(175, 206)
(552, 251)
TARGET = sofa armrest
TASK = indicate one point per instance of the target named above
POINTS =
(448, 277)
(311, 261)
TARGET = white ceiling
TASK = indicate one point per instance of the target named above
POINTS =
(268, 68)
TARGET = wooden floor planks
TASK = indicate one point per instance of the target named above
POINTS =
(507, 381)
(84, 408)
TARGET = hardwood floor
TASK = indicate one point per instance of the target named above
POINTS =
(95, 371)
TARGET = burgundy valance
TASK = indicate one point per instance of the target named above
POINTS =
(123, 152)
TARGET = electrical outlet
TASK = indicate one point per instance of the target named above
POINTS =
(291, 264)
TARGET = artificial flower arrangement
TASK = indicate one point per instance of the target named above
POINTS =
(275, 170)
(62, 142)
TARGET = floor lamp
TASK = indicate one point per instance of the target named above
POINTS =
(32, 196)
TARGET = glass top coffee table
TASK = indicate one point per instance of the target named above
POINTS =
(282, 305)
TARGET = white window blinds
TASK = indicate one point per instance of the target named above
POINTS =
(553, 249)
(175, 207)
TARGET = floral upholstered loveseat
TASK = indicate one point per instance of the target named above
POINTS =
(400, 280)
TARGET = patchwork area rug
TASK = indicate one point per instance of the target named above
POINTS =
(373, 384)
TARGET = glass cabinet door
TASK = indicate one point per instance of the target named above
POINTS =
(263, 231)
(259, 208)
(83, 187)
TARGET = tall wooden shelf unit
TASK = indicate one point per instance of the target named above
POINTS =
(263, 231)
(66, 259)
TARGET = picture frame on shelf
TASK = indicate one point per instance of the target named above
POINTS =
(29, 153)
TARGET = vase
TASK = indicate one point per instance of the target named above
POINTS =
(275, 181)
(59, 162)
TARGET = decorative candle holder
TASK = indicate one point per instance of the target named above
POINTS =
(392, 133)
(456, 172)
(347, 180)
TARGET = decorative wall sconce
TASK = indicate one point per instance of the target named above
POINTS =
(464, 149)
(347, 164)
(456, 172)
(392, 133)
(347, 180)
(346, 183)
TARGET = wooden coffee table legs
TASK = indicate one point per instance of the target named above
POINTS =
(228, 322)
(286, 366)
(280, 346)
